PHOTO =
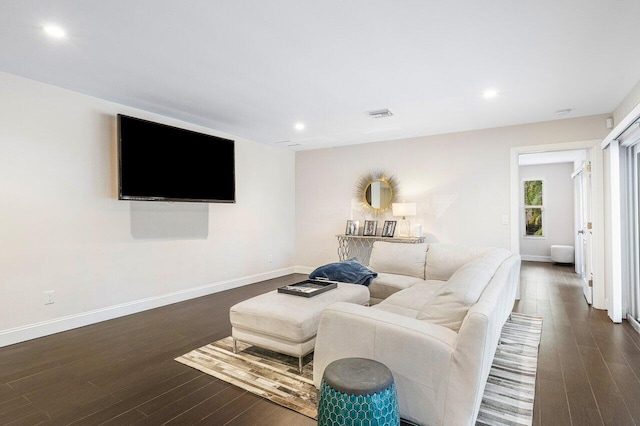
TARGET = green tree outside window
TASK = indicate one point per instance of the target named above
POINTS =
(533, 207)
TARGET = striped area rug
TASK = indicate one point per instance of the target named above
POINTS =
(507, 400)
(509, 393)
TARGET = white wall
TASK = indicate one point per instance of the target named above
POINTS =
(558, 209)
(63, 229)
(459, 181)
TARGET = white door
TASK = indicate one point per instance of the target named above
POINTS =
(584, 238)
(577, 219)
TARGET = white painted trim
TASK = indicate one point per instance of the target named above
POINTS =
(304, 270)
(535, 258)
(587, 292)
(57, 325)
(597, 233)
(631, 136)
(627, 121)
(614, 288)
(635, 324)
(579, 170)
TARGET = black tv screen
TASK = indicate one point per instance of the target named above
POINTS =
(157, 162)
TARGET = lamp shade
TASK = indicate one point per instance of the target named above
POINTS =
(404, 209)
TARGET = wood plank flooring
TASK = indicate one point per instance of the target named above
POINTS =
(122, 372)
(588, 367)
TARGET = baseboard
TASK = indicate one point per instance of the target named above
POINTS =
(57, 325)
(304, 270)
(533, 258)
(635, 324)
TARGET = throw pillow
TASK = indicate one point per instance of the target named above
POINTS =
(347, 271)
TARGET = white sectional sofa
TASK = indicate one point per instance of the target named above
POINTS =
(437, 316)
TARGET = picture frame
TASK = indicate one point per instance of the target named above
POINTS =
(370, 228)
(352, 227)
(389, 228)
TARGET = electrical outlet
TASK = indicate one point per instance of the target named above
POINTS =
(505, 219)
(270, 258)
(49, 297)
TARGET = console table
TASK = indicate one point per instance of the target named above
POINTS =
(359, 246)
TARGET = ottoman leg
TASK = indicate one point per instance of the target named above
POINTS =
(235, 346)
(300, 364)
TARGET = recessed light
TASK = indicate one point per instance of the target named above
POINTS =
(299, 126)
(490, 93)
(54, 31)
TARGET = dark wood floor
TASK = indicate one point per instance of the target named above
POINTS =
(588, 367)
(122, 371)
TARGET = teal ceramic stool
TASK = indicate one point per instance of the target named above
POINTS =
(358, 392)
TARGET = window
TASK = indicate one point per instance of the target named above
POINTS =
(533, 208)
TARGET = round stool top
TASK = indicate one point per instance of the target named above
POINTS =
(357, 376)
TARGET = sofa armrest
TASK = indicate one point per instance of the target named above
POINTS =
(418, 353)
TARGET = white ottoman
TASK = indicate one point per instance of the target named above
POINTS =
(562, 254)
(286, 323)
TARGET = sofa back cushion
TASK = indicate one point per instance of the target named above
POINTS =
(449, 304)
(444, 259)
(399, 258)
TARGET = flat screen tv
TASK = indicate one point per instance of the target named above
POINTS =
(157, 162)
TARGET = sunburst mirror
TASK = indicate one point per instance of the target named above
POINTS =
(376, 191)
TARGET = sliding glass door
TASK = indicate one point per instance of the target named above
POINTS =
(629, 154)
(633, 257)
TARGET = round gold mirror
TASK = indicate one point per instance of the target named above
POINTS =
(378, 194)
(376, 191)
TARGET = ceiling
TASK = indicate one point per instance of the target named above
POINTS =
(256, 68)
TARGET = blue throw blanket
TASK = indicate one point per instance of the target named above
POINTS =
(347, 271)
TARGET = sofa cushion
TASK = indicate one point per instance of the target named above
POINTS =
(399, 310)
(397, 258)
(494, 258)
(415, 296)
(449, 304)
(387, 284)
(443, 259)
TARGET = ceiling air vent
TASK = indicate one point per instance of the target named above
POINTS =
(381, 113)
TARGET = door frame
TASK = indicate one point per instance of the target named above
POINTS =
(597, 164)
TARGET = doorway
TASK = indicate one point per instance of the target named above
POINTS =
(592, 269)
(556, 209)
